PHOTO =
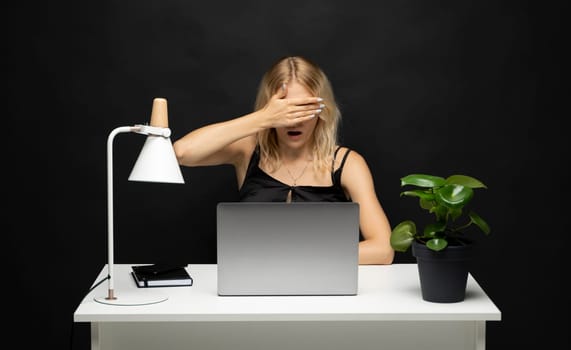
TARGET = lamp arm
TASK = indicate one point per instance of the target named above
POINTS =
(110, 138)
(152, 130)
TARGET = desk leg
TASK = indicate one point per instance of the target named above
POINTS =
(480, 335)
(95, 345)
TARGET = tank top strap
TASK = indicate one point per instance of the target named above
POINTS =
(336, 179)
(344, 159)
(254, 160)
(334, 157)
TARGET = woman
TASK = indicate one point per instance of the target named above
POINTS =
(286, 150)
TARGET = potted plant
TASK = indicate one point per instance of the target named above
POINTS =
(442, 249)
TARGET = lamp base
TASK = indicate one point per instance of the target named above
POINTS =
(141, 297)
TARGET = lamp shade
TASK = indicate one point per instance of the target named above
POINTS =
(157, 162)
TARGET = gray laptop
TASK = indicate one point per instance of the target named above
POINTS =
(300, 248)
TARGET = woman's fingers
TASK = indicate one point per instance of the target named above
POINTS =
(298, 120)
(304, 113)
(304, 100)
(308, 107)
(283, 111)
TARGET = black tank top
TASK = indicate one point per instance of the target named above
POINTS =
(258, 186)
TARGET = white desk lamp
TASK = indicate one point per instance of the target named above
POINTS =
(156, 163)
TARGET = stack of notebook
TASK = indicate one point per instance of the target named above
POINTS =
(161, 275)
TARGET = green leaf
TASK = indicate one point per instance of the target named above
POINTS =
(440, 211)
(431, 230)
(454, 196)
(422, 180)
(437, 244)
(466, 181)
(424, 204)
(403, 235)
(481, 223)
(426, 195)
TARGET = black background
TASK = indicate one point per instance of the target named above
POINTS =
(438, 87)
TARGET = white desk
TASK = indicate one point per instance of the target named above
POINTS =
(387, 313)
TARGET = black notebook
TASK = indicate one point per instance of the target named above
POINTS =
(159, 275)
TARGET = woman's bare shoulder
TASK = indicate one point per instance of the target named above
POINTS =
(350, 155)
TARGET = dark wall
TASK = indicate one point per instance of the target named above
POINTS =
(432, 87)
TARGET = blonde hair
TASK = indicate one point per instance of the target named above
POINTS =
(310, 76)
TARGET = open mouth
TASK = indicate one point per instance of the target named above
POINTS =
(294, 133)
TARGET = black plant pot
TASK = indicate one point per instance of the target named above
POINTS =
(444, 274)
